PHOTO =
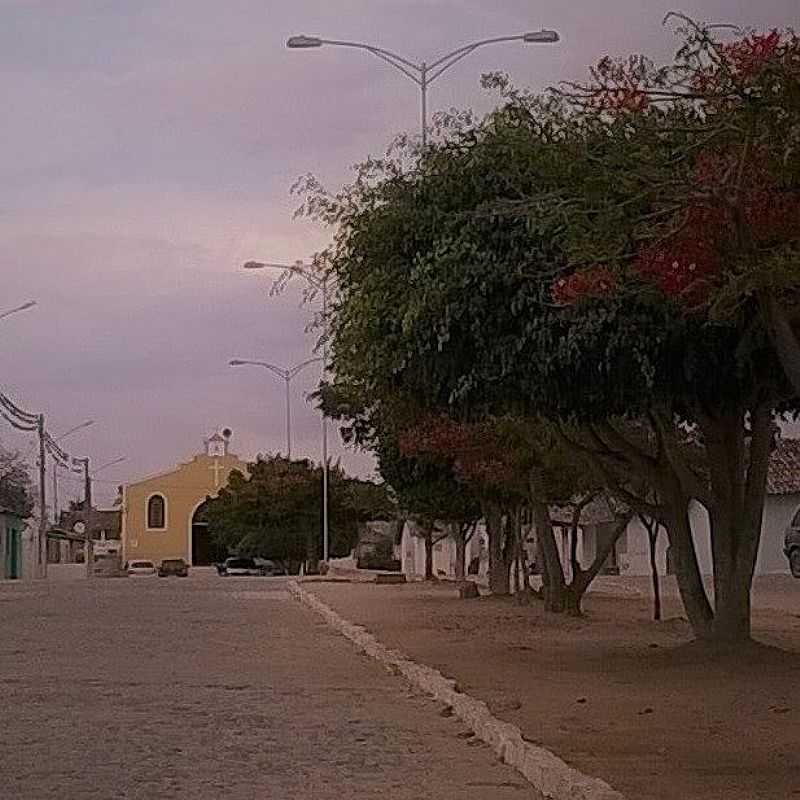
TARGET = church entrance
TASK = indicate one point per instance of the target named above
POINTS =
(205, 551)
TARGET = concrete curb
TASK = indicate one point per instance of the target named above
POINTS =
(547, 773)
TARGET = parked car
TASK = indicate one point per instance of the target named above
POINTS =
(173, 566)
(140, 567)
(240, 567)
(791, 545)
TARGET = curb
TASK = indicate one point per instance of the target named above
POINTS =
(547, 773)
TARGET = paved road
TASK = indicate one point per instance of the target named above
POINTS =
(211, 688)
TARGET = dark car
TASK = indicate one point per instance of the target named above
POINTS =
(173, 566)
(791, 545)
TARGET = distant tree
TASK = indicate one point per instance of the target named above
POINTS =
(15, 483)
(275, 511)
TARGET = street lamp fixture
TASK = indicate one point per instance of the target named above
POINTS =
(23, 307)
(286, 374)
(423, 73)
(303, 42)
(77, 428)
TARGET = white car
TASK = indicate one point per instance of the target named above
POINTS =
(240, 566)
(141, 568)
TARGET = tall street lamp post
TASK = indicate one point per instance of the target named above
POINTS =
(79, 463)
(23, 307)
(286, 375)
(320, 283)
(423, 74)
(56, 463)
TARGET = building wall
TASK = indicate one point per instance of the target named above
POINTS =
(412, 553)
(184, 489)
(778, 512)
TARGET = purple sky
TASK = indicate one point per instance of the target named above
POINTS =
(147, 151)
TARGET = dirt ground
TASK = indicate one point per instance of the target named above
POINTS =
(614, 693)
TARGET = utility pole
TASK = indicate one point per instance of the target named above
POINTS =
(55, 494)
(41, 545)
(87, 516)
(87, 494)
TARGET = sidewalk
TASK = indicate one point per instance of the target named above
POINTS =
(614, 694)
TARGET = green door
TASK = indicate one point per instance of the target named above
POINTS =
(13, 559)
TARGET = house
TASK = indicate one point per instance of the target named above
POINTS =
(630, 555)
(66, 541)
(12, 527)
(163, 515)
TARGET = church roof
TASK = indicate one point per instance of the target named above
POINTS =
(216, 437)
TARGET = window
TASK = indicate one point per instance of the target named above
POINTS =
(156, 508)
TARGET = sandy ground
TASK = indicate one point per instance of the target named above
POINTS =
(615, 694)
(212, 689)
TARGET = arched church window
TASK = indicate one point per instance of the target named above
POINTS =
(156, 512)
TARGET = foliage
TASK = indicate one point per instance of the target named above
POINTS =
(15, 483)
(274, 511)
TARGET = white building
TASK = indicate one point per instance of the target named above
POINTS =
(631, 553)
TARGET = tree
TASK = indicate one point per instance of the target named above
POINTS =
(15, 483)
(274, 511)
(551, 261)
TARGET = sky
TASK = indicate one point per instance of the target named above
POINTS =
(147, 151)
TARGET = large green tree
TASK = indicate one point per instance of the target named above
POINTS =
(274, 511)
(597, 258)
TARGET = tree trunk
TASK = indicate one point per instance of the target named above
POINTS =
(459, 536)
(687, 571)
(783, 337)
(582, 578)
(653, 526)
(738, 480)
(498, 566)
(553, 586)
(428, 537)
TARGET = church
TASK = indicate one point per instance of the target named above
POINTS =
(163, 515)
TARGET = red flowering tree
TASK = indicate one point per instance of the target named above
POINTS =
(708, 211)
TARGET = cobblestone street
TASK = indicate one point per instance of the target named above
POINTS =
(212, 688)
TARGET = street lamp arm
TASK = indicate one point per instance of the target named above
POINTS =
(23, 307)
(378, 51)
(73, 430)
(298, 269)
(301, 366)
(276, 370)
(399, 66)
(109, 464)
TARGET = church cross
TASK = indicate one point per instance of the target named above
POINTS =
(217, 468)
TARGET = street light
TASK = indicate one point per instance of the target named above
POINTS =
(423, 74)
(287, 375)
(319, 283)
(80, 427)
(23, 307)
(77, 464)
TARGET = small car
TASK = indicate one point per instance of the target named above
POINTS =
(173, 566)
(140, 567)
(240, 567)
(791, 545)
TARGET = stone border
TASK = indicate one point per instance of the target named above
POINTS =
(547, 773)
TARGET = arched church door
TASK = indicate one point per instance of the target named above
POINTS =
(205, 550)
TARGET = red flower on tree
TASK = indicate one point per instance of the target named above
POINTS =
(686, 269)
(597, 281)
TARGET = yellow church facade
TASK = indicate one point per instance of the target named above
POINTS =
(163, 515)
